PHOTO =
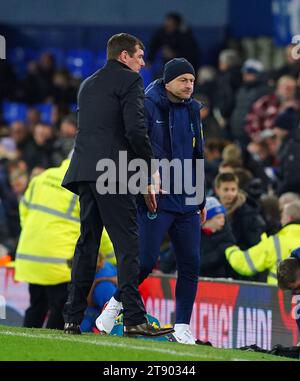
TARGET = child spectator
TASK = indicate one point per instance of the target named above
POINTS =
(242, 211)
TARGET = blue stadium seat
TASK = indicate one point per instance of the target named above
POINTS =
(13, 111)
(46, 110)
(80, 62)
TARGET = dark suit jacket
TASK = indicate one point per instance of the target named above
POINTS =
(110, 119)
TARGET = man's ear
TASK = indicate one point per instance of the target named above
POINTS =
(123, 56)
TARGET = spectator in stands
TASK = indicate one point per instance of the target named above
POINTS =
(58, 113)
(264, 151)
(216, 237)
(22, 137)
(242, 211)
(38, 83)
(252, 88)
(18, 177)
(174, 39)
(269, 251)
(291, 67)
(213, 156)
(41, 151)
(228, 82)
(287, 198)
(65, 141)
(33, 117)
(271, 213)
(62, 89)
(288, 132)
(211, 128)
(265, 110)
(242, 158)
(206, 83)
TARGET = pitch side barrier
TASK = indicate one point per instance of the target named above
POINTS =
(229, 314)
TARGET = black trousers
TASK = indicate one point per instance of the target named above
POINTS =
(46, 300)
(118, 214)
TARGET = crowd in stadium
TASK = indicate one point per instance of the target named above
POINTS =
(252, 144)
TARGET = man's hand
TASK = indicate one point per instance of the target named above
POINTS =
(203, 214)
(152, 190)
(150, 199)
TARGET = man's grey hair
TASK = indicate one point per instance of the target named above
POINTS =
(229, 57)
(292, 210)
(289, 197)
(206, 73)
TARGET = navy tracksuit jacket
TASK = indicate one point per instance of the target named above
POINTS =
(175, 131)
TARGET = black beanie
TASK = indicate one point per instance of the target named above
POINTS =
(177, 67)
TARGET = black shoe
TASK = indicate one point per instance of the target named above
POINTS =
(72, 329)
(145, 329)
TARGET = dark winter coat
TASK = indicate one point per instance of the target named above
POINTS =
(289, 159)
(160, 116)
(245, 97)
(246, 222)
(110, 120)
(213, 263)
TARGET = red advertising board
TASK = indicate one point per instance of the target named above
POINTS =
(228, 314)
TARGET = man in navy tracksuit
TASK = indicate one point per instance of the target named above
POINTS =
(175, 130)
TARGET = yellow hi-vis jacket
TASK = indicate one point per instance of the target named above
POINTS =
(266, 254)
(50, 224)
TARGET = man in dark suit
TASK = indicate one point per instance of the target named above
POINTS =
(110, 120)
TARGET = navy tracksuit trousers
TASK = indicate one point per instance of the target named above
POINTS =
(184, 231)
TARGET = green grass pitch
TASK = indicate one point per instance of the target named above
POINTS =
(20, 344)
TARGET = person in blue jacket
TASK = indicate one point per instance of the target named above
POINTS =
(175, 130)
(103, 288)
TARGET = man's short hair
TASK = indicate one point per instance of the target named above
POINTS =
(122, 41)
(229, 57)
(225, 178)
(288, 272)
(292, 210)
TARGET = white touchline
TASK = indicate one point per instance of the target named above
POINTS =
(111, 344)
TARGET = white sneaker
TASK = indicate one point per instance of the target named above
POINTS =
(106, 320)
(183, 334)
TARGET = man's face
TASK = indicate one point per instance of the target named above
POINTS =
(249, 77)
(227, 192)
(136, 61)
(286, 89)
(295, 287)
(181, 87)
(216, 223)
